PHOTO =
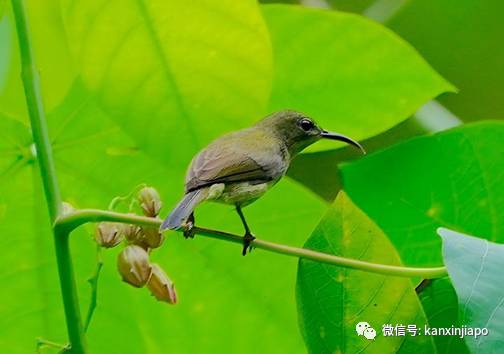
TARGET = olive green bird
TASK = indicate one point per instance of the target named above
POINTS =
(241, 166)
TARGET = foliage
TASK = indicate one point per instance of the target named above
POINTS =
(440, 304)
(452, 178)
(133, 89)
(469, 59)
(475, 266)
(331, 301)
(372, 79)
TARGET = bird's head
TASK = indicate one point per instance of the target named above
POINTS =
(299, 131)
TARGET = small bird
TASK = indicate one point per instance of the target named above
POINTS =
(241, 166)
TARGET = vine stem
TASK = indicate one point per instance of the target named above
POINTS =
(33, 96)
(72, 220)
(93, 282)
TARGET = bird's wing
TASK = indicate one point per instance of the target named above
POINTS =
(227, 160)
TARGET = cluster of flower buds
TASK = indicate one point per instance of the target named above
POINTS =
(109, 234)
(133, 261)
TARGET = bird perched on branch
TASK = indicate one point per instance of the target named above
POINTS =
(241, 166)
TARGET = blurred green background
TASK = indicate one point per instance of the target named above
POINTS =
(132, 89)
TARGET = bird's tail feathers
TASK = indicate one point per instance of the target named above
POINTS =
(183, 209)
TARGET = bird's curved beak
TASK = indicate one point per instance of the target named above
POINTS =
(335, 136)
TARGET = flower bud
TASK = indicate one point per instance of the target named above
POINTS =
(109, 234)
(161, 286)
(149, 201)
(133, 265)
(131, 232)
(150, 237)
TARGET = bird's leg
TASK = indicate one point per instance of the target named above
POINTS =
(189, 224)
(248, 237)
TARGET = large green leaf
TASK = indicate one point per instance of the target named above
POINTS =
(2, 7)
(320, 170)
(460, 38)
(224, 297)
(351, 74)
(332, 300)
(351, 5)
(440, 304)
(5, 46)
(166, 70)
(452, 178)
(52, 56)
(30, 292)
(475, 267)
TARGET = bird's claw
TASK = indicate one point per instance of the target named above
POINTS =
(247, 243)
(188, 229)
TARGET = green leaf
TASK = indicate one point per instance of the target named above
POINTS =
(320, 170)
(440, 305)
(332, 300)
(475, 267)
(166, 70)
(453, 178)
(3, 5)
(5, 52)
(351, 5)
(471, 59)
(52, 55)
(279, 1)
(352, 75)
(30, 304)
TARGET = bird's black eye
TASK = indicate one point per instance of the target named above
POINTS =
(306, 124)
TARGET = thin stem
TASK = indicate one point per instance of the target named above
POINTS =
(33, 95)
(41, 343)
(69, 293)
(93, 282)
(79, 217)
(121, 199)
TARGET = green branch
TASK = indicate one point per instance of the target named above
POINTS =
(33, 95)
(71, 221)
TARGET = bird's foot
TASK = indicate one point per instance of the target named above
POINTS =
(188, 227)
(247, 243)
(189, 230)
